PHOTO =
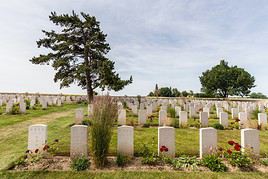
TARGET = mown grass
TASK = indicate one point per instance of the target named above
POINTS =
(130, 174)
(8, 119)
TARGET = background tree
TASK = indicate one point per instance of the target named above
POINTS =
(165, 92)
(77, 53)
(156, 91)
(223, 80)
(184, 93)
(258, 95)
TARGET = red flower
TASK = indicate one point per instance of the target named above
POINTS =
(237, 147)
(237, 120)
(36, 150)
(56, 140)
(231, 142)
(229, 151)
(163, 149)
(46, 147)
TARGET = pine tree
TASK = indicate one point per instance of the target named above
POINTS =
(78, 54)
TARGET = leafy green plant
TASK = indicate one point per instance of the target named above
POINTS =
(103, 117)
(218, 126)
(186, 162)
(28, 102)
(239, 159)
(87, 122)
(171, 112)
(175, 123)
(122, 160)
(146, 125)
(80, 163)
(214, 163)
(236, 157)
(15, 109)
(264, 161)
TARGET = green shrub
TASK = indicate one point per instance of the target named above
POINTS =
(28, 103)
(185, 162)
(80, 163)
(171, 112)
(122, 160)
(87, 122)
(214, 163)
(103, 117)
(146, 125)
(264, 162)
(218, 126)
(239, 159)
(15, 109)
(254, 113)
(175, 123)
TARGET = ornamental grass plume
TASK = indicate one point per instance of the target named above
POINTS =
(103, 117)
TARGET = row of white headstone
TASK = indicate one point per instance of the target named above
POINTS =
(203, 117)
(37, 138)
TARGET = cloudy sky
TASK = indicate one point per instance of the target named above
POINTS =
(167, 42)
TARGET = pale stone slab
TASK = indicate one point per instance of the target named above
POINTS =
(207, 109)
(250, 139)
(125, 140)
(177, 110)
(79, 138)
(183, 118)
(142, 116)
(234, 112)
(224, 119)
(208, 140)
(37, 136)
(243, 121)
(22, 106)
(122, 116)
(218, 111)
(166, 137)
(262, 119)
(79, 116)
(203, 117)
(162, 117)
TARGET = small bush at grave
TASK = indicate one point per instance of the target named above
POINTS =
(254, 114)
(87, 122)
(146, 125)
(103, 117)
(214, 163)
(52, 148)
(171, 112)
(218, 126)
(80, 163)
(236, 157)
(1, 110)
(28, 103)
(122, 160)
(185, 162)
(15, 109)
(175, 123)
(264, 162)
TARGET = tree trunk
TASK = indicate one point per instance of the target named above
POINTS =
(88, 78)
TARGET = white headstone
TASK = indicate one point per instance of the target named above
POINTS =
(262, 119)
(79, 116)
(37, 136)
(243, 121)
(142, 116)
(79, 138)
(166, 138)
(183, 118)
(162, 117)
(203, 117)
(250, 139)
(122, 117)
(234, 112)
(208, 141)
(125, 140)
(224, 119)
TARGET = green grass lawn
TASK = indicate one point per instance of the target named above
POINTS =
(132, 175)
(8, 119)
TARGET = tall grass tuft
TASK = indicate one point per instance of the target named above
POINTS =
(103, 117)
